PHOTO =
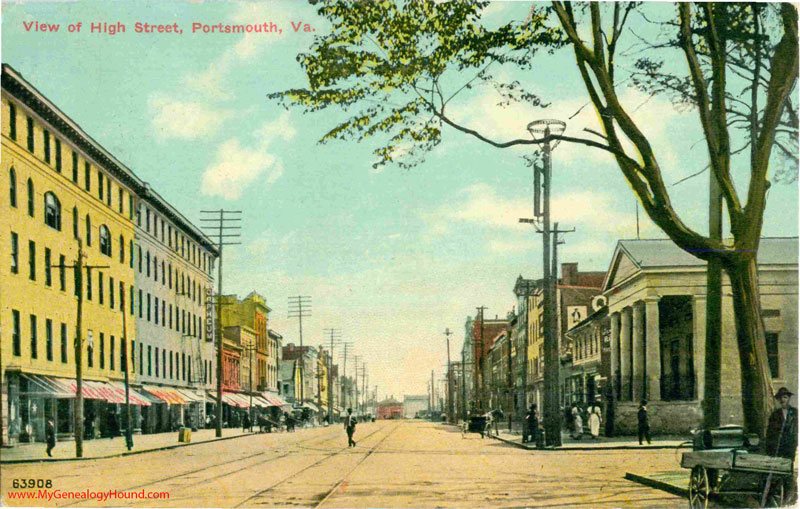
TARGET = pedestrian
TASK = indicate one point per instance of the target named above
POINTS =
(781, 437)
(246, 425)
(532, 425)
(50, 435)
(350, 427)
(577, 423)
(644, 423)
(594, 421)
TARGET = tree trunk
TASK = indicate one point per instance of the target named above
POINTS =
(756, 378)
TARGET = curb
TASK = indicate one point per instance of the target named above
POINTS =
(121, 454)
(584, 448)
(660, 485)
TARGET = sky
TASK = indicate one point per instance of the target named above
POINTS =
(392, 258)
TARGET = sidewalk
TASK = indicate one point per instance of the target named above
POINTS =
(110, 447)
(601, 443)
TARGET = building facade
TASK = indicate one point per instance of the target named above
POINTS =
(656, 305)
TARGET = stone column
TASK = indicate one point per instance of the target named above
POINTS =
(625, 355)
(637, 352)
(653, 349)
(614, 318)
(699, 343)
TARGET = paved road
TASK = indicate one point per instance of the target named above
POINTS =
(395, 464)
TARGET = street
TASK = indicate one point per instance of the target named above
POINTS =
(395, 464)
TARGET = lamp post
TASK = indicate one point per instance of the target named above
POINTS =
(543, 130)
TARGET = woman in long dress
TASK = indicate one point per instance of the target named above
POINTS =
(577, 423)
(594, 422)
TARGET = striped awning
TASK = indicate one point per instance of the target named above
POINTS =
(47, 387)
(192, 396)
(311, 406)
(261, 402)
(118, 388)
(274, 399)
(166, 394)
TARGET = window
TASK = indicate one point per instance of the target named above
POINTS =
(90, 350)
(140, 304)
(133, 356)
(12, 121)
(100, 187)
(30, 135)
(772, 354)
(147, 261)
(87, 176)
(147, 211)
(75, 222)
(75, 167)
(170, 364)
(156, 309)
(63, 343)
(163, 312)
(149, 360)
(130, 207)
(52, 211)
(105, 240)
(155, 268)
(34, 339)
(88, 283)
(88, 231)
(30, 197)
(48, 336)
(108, 192)
(32, 260)
(123, 353)
(148, 307)
(48, 272)
(58, 155)
(16, 340)
(62, 282)
(14, 253)
(112, 345)
(169, 278)
(141, 357)
(130, 253)
(121, 249)
(46, 135)
(131, 291)
(169, 236)
(139, 215)
(102, 351)
(170, 316)
(156, 361)
(163, 276)
(120, 197)
(12, 187)
(100, 285)
(164, 363)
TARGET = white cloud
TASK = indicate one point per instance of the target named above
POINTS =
(237, 166)
(184, 120)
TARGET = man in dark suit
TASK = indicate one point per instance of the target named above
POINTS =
(50, 435)
(781, 439)
(350, 427)
(644, 423)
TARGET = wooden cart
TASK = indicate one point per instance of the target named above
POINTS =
(736, 472)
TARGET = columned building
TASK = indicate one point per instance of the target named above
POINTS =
(657, 305)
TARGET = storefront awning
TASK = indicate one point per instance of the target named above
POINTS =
(166, 394)
(274, 400)
(192, 396)
(311, 406)
(40, 386)
(118, 388)
(261, 402)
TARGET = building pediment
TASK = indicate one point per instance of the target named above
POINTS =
(622, 267)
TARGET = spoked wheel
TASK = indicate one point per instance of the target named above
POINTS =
(773, 492)
(699, 488)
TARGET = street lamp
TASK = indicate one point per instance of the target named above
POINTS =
(544, 130)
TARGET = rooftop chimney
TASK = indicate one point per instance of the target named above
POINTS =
(569, 273)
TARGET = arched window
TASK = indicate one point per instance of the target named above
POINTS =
(30, 197)
(52, 211)
(12, 187)
(105, 240)
(88, 231)
(75, 222)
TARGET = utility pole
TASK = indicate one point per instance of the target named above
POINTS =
(78, 267)
(227, 226)
(449, 398)
(463, 383)
(543, 130)
(363, 388)
(477, 365)
(334, 335)
(129, 426)
(355, 382)
(300, 307)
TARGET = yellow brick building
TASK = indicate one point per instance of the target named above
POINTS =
(60, 187)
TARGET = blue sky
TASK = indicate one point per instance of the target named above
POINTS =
(390, 257)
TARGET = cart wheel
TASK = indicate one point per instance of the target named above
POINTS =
(774, 492)
(698, 488)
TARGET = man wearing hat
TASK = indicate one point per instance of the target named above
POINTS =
(781, 439)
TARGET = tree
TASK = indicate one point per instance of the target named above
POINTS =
(390, 62)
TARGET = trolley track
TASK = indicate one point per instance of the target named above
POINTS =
(211, 466)
(294, 474)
